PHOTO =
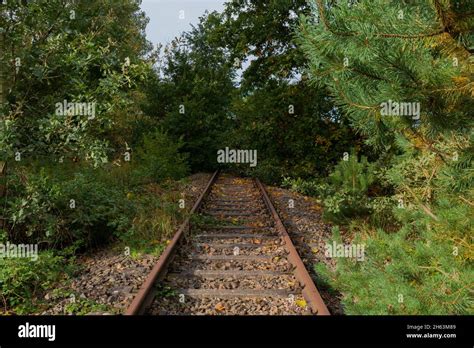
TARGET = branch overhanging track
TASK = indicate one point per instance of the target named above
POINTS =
(232, 256)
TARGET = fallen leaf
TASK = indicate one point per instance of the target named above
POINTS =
(301, 303)
(219, 307)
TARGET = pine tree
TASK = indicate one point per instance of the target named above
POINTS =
(371, 54)
(394, 50)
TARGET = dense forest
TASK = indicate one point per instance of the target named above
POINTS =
(365, 105)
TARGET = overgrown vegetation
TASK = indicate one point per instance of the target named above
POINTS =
(82, 177)
(419, 188)
(22, 281)
(303, 83)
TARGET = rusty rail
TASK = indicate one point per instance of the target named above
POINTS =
(145, 295)
(310, 292)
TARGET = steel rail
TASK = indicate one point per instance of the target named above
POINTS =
(310, 292)
(145, 295)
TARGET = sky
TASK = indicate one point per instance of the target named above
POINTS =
(169, 18)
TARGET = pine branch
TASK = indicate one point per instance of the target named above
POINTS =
(424, 207)
(322, 14)
(349, 102)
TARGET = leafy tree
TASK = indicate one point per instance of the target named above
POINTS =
(192, 98)
(159, 158)
(291, 124)
(82, 52)
(79, 52)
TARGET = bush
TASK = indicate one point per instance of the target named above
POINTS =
(22, 280)
(159, 158)
(305, 187)
(154, 220)
(61, 204)
(344, 193)
(83, 208)
(420, 263)
(268, 171)
(408, 272)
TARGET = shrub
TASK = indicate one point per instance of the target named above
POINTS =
(267, 170)
(83, 208)
(407, 272)
(305, 187)
(154, 220)
(22, 280)
(61, 204)
(420, 263)
(159, 158)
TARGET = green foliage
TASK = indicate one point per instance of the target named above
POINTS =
(375, 56)
(70, 207)
(294, 127)
(352, 175)
(346, 192)
(424, 251)
(407, 272)
(261, 33)
(288, 141)
(305, 187)
(159, 158)
(271, 108)
(77, 193)
(191, 100)
(76, 60)
(22, 280)
(63, 204)
(422, 195)
(69, 185)
(308, 94)
(83, 306)
(154, 220)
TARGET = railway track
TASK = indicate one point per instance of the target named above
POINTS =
(232, 256)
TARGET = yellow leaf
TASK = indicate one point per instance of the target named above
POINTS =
(219, 307)
(301, 303)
